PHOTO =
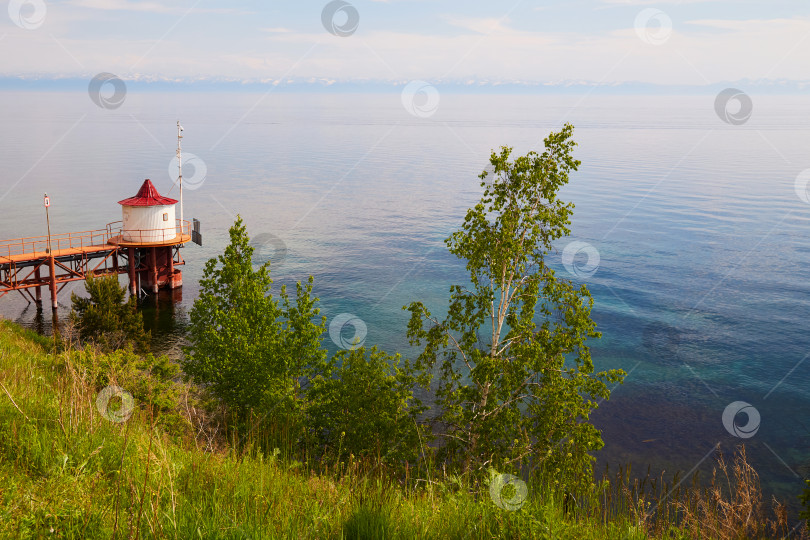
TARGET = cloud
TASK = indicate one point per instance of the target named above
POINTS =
(649, 2)
(148, 7)
(458, 48)
(484, 26)
(123, 5)
(753, 25)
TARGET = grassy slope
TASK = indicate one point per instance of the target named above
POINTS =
(66, 471)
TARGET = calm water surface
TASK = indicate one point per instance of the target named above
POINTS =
(702, 291)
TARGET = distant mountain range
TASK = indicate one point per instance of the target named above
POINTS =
(477, 86)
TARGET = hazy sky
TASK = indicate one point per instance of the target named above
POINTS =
(664, 42)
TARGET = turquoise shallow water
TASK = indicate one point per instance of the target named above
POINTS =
(701, 292)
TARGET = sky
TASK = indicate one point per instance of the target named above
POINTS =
(686, 42)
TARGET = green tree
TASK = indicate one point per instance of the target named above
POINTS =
(246, 347)
(363, 404)
(522, 394)
(106, 317)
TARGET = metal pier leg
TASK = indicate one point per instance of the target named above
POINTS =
(154, 271)
(52, 267)
(133, 285)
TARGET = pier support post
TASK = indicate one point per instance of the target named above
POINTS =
(38, 289)
(133, 286)
(52, 267)
(154, 270)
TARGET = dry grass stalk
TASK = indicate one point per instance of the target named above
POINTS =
(731, 507)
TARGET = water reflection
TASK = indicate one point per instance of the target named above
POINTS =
(165, 317)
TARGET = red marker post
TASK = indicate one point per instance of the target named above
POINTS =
(51, 267)
(48, 220)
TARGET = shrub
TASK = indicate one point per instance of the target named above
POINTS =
(106, 317)
(150, 379)
(247, 348)
(364, 406)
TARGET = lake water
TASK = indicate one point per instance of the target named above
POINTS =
(701, 293)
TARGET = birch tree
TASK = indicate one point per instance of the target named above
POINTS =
(513, 376)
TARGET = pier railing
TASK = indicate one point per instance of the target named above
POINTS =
(39, 244)
(119, 234)
(36, 246)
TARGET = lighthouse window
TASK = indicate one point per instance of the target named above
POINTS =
(165, 216)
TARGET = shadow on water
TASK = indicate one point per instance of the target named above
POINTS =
(163, 315)
(35, 319)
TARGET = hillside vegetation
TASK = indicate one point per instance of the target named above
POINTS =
(69, 471)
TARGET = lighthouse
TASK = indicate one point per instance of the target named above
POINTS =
(148, 216)
(152, 236)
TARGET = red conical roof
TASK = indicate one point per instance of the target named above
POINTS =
(147, 196)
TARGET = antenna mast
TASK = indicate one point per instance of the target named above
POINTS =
(180, 171)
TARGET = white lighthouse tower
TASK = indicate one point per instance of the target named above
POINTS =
(148, 217)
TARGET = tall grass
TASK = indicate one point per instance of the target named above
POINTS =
(66, 471)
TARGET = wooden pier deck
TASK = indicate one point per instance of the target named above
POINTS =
(21, 258)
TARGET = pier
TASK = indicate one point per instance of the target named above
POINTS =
(145, 245)
(147, 256)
